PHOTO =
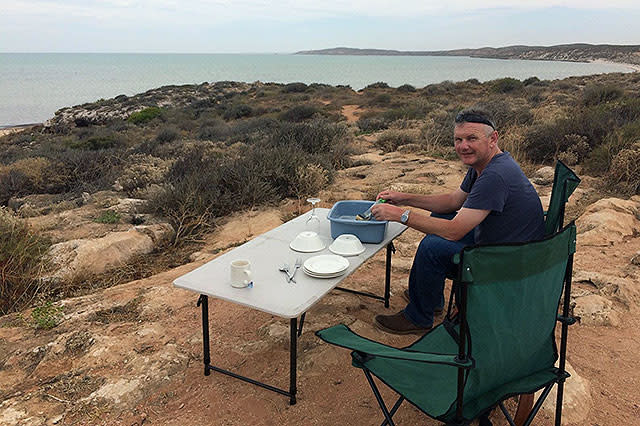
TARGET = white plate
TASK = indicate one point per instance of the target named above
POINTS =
(326, 264)
(323, 276)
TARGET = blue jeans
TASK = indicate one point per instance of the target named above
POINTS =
(431, 264)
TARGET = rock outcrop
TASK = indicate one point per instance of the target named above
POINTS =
(94, 256)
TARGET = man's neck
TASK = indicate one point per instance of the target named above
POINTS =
(480, 169)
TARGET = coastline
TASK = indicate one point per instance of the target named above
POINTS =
(7, 130)
(633, 67)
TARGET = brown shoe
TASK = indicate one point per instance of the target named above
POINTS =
(398, 324)
(405, 296)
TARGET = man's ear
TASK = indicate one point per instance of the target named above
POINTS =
(494, 138)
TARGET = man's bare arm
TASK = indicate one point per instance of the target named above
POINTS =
(439, 203)
(452, 230)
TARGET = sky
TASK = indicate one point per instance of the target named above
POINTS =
(286, 26)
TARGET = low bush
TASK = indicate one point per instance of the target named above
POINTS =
(406, 88)
(506, 85)
(142, 171)
(215, 129)
(108, 217)
(97, 142)
(47, 316)
(145, 115)
(390, 140)
(238, 111)
(167, 134)
(299, 113)
(624, 173)
(23, 258)
(597, 94)
(294, 88)
(531, 80)
(377, 85)
(381, 100)
(372, 122)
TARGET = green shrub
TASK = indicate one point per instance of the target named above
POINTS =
(238, 111)
(23, 257)
(299, 113)
(377, 85)
(108, 216)
(167, 134)
(597, 94)
(372, 122)
(624, 173)
(390, 140)
(383, 99)
(145, 115)
(47, 316)
(406, 88)
(214, 130)
(506, 85)
(96, 143)
(294, 88)
(531, 80)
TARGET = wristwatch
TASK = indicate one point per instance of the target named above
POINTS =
(405, 216)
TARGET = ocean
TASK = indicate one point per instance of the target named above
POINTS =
(35, 85)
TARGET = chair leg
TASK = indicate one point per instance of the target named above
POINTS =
(393, 409)
(525, 403)
(381, 403)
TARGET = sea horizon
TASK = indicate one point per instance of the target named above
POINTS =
(34, 86)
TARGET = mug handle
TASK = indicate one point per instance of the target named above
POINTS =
(247, 273)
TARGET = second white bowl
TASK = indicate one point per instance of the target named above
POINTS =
(347, 245)
(307, 242)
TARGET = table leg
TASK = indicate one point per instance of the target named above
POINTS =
(293, 360)
(387, 277)
(204, 302)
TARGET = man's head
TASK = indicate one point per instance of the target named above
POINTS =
(475, 138)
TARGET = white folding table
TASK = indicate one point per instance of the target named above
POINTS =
(271, 293)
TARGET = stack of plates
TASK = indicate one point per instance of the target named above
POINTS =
(325, 266)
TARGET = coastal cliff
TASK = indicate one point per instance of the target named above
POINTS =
(579, 52)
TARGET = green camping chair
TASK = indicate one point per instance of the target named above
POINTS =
(565, 181)
(502, 344)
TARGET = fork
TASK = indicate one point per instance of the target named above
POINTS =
(285, 268)
(295, 267)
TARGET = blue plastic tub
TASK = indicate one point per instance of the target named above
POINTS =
(343, 221)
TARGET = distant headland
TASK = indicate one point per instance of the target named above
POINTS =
(578, 52)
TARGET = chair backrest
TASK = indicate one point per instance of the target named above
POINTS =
(513, 292)
(565, 181)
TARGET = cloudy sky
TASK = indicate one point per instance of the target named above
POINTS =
(283, 26)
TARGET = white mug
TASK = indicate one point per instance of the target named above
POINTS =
(240, 273)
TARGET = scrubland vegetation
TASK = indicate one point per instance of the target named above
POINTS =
(204, 158)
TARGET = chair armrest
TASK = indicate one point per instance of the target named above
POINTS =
(341, 335)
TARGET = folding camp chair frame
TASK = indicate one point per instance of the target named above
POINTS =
(460, 289)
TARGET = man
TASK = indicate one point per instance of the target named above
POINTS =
(495, 203)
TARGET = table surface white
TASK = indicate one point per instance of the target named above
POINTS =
(271, 292)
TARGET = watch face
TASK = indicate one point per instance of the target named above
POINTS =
(405, 217)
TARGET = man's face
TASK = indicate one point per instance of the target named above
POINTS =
(475, 144)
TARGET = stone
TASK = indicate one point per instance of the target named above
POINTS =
(543, 176)
(576, 402)
(94, 256)
(595, 310)
(608, 221)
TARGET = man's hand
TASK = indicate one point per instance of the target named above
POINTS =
(386, 212)
(393, 197)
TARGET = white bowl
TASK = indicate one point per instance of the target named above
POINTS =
(347, 245)
(307, 242)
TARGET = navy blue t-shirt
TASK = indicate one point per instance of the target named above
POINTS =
(516, 212)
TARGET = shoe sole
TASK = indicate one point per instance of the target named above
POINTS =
(405, 296)
(392, 331)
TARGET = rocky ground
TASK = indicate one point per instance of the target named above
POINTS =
(132, 354)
